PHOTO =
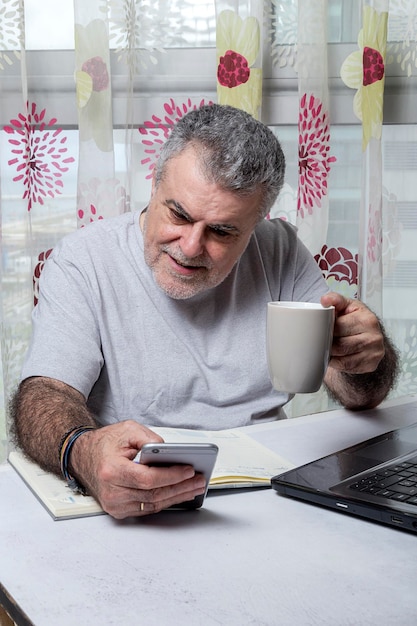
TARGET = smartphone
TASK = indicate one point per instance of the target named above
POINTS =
(202, 456)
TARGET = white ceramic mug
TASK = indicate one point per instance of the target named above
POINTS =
(299, 338)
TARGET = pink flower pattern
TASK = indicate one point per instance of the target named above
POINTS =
(156, 131)
(87, 215)
(39, 149)
(339, 264)
(373, 66)
(313, 154)
(97, 70)
(37, 273)
(233, 70)
(100, 198)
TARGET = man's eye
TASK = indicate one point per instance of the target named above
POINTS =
(177, 216)
(220, 233)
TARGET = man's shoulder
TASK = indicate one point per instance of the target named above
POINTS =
(276, 228)
(276, 235)
(96, 233)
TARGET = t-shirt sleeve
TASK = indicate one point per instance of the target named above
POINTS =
(291, 270)
(309, 284)
(65, 342)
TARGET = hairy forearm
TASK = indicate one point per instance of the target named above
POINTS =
(42, 411)
(365, 391)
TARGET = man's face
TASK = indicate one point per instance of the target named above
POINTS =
(194, 232)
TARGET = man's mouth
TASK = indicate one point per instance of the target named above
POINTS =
(184, 268)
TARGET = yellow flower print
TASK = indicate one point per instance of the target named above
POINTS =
(238, 42)
(364, 70)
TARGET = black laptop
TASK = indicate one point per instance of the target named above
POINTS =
(376, 479)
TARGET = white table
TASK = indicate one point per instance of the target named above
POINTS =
(246, 558)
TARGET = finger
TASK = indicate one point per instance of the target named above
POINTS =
(126, 482)
(347, 343)
(357, 354)
(356, 332)
(359, 321)
(354, 364)
(335, 299)
(136, 502)
(351, 315)
(138, 476)
(147, 508)
(124, 438)
(133, 436)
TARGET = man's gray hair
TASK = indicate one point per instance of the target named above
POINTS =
(235, 151)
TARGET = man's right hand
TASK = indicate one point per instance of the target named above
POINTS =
(102, 461)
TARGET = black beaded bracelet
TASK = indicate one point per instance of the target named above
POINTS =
(65, 446)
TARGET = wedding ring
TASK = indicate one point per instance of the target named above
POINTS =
(142, 506)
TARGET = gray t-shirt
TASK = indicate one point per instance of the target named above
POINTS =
(103, 326)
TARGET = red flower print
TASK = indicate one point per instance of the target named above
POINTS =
(338, 265)
(373, 66)
(86, 217)
(39, 151)
(156, 131)
(97, 69)
(233, 69)
(37, 274)
(313, 154)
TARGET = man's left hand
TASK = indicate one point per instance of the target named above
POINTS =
(358, 341)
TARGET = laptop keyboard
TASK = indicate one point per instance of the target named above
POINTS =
(395, 482)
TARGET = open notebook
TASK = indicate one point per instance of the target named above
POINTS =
(241, 462)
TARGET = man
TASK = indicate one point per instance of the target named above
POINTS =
(158, 318)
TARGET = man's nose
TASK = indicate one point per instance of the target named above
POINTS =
(192, 240)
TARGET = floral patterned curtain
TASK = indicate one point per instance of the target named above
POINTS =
(363, 70)
(239, 58)
(89, 93)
